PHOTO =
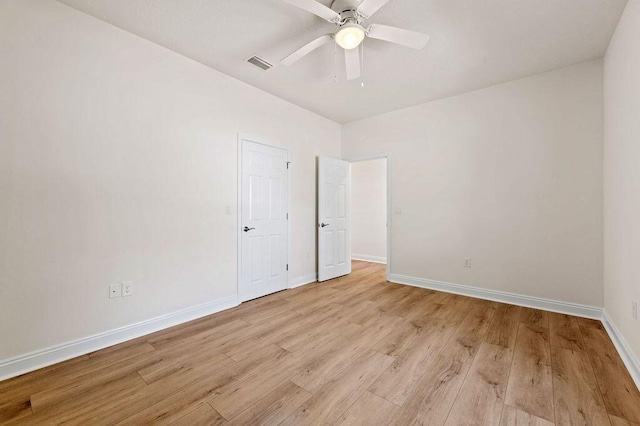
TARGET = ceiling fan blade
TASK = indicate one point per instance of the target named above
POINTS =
(352, 62)
(368, 7)
(316, 8)
(306, 49)
(398, 35)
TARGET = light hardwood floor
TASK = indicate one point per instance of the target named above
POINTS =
(355, 350)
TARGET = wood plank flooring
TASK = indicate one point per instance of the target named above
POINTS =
(355, 350)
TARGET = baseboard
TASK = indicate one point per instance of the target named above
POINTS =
(367, 258)
(502, 296)
(302, 280)
(629, 358)
(42, 358)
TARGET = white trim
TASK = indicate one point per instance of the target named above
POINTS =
(42, 358)
(289, 220)
(368, 258)
(239, 219)
(386, 155)
(502, 296)
(630, 359)
(303, 280)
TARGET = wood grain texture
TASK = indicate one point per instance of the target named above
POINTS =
(201, 415)
(88, 403)
(434, 395)
(398, 381)
(369, 409)
(323, 369)
(534, 317)
(482, 394)
(617, 421)
(618, 389)
(251, 388)
(336, 397)
(504, 326)
(514, 417)
(590, 323)
(274, 407)
(354, 350)
(565, 332)
(577, 399)
(530, 387)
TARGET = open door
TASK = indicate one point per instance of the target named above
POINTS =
(334, 216)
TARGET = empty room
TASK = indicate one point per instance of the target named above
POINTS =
(306, 212)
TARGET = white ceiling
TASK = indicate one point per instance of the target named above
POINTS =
(474, 44)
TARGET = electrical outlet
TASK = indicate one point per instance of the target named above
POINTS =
(467, 262)
(127, 289)
(114, 291)
(634, 310)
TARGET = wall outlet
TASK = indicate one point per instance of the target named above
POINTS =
(114, 291)
(467, 262)
(634, 310)
(127, 289)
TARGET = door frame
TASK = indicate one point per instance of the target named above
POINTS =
(387, 156)
(242, 137)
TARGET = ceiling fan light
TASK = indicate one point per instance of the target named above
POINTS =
(350, 36)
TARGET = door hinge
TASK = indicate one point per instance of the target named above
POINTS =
(287, 266)
(288, 162)
(287, 216)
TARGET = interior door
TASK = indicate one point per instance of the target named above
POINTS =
(334, 216)
(264, 216)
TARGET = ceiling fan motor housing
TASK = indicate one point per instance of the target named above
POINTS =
(348, 11)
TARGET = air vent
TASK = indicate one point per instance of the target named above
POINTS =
(260, 63)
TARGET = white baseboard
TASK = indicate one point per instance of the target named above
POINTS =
(42, 358)
(502, 296)
(367, 258)
(629, 358)
(302, 280)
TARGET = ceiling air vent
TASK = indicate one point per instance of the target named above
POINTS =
(260, 63)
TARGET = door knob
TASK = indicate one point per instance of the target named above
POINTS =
(247, 229)
(322, 225)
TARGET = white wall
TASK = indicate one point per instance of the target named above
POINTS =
(369, 210)
(622, 175)
(117, 159)
(510, 176)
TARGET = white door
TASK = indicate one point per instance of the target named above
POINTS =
(264, 202)
(334, 216)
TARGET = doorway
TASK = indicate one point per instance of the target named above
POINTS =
(263, 212)
(337, 216)
(369, 210)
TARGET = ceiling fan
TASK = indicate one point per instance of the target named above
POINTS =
(349, 15)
